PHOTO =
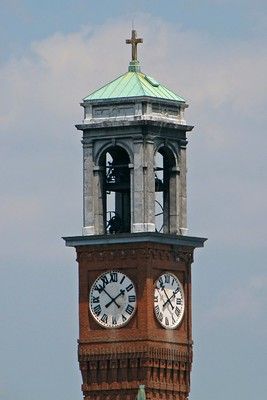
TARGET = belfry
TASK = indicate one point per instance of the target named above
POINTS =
(134, 255)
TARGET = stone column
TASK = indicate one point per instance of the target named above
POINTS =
(88, 207)
(138, 188)
(174, 210)
(182, 190)
(149, 195)
(143, 188)
(98, 200)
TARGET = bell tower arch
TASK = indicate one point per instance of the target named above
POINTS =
(115, 182)
(134, 255)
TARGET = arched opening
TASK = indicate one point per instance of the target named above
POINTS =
(114, 163)
(164, 167)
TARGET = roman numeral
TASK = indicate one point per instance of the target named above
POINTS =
(129, 309)
(99, 288)
(104, 279)
(114, 321)
(156, 299)
(95, 299)
(97, 310)
(122, 279)
(177, 311)
(178, 302)
(157, 310)
(129, 287)
(166, 321)
(104, 318)
(123, 318)
(167, 278)
(113, 277)
(131, 299)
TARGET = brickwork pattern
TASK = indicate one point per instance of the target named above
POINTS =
(114, 362)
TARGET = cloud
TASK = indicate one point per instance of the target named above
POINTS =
(41, 173)
(39, 106)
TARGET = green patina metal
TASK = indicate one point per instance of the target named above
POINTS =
(141, 395)
(133, 84)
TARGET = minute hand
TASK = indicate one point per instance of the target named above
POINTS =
(115, 298)
(168, 300)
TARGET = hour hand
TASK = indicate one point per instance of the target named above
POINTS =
(168, 300)
(113, 300)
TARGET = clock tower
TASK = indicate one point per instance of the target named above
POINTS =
(134, 255)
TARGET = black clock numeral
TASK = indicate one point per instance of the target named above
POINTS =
(156, 299)
(129, 287)
(123, 318)
(99, 288)
(172, 281)
(97, 310)
(114, 321)
(157, 310)
(104, 279)
(160, 316)
(167, 278)
(122, 279)
(177, 290)
(113, 277)
(173, 320)
(131, 299)
(161, 282)
(104, 318)
(167, 321)
(129, 309)
(177, 311)
(96, 299)
(178, 301)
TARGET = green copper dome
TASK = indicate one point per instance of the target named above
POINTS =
(133, 84)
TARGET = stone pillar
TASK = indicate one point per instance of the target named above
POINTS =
(149, 195)
(98, 200)
(143, 188)
(88, 203)
(138, 188)
(174, 211)
(182, 190)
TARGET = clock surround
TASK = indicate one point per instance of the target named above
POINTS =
(169, 300)
(112, 299)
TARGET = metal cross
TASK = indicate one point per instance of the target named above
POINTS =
(134, 42)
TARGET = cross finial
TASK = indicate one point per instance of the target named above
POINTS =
(134, 42)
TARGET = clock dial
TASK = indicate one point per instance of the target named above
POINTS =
(168, 300)
(112, 299)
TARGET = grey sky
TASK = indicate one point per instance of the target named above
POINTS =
(53, 55)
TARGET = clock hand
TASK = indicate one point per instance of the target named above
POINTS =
(113, 300)
(168, 300)
(104, 290)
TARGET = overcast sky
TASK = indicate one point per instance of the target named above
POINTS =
(54, 53)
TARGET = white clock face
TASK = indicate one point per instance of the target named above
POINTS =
(168, 300)
(112, 299)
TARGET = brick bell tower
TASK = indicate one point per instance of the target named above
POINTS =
(134, 255)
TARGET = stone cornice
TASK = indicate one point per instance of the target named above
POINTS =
(150, 237)
(136, 121)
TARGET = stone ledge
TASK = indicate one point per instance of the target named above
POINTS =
(122, 238)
